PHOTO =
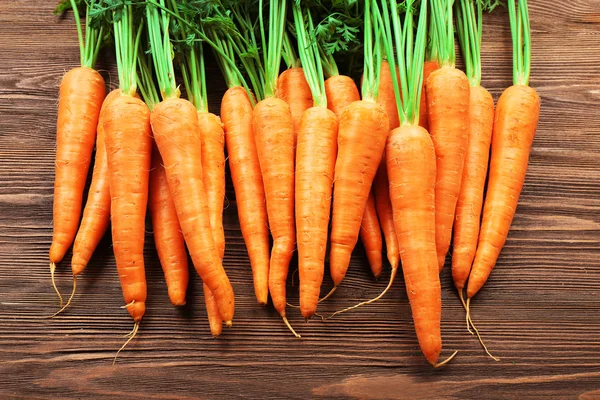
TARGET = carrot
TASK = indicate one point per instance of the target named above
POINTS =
(315, 162)
(213, 169)
(80, 99)
(515, 123)
(176, 131)
(214, 316)
(428, 68)
(96, 215)
(481, 116)
(363, 130)
(381, 186)
(370, 234)
(448, 116)
(236, 112)
(293, 89)
(341, 90)
(168, 238)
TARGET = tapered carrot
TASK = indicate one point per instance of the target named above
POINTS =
(363, 130)
(481, 117)
(448, 118)
(80, 99)
(370, 234)
(515, 123)
(214, 316)
(96, 214)
(177, 133)
(168, 238)
(236, 113)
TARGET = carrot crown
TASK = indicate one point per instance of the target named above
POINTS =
(288, 53)
(468, 23)
(90, 43)
(127, 42)
(441, 16)
(372, 53)
(272, 45)
(309, 55)
(410, 53)
(521, 38)
(146, 82)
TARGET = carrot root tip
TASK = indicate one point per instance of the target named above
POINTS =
(70, 298)
(229, 323)
(52, 270)
(446, 361)
(132, 334)
(328, 294)
(468, 316)
(470, 321)
(291, 305)
(287, 323)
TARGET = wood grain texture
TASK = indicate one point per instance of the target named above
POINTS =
(538, 311)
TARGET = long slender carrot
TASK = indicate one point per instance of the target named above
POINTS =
(370, 234)
(363, 130)
(481, 120)
(448, 116)
(176, 131)
(315, 163)
(96, 214)
(515, 123)
(381, 185)
(80, 99)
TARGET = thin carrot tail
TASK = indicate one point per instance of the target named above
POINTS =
(339, 261)
(52, 270)
(281, 257)
(214, 317)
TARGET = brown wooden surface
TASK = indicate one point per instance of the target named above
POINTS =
(539, 311)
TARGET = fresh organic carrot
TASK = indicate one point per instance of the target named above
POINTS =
(293, 89)
(315, 162)
(176, 131)
(481, 119)
(96, 214)
(448, 117)
(428, 68)
(341, 90)
(515, 123)
(370, 234)
(381, 185)
(214, 316)
(363, 130)
(274, 135)
(80, 98)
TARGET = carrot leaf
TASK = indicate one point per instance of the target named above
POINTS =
(441, 16)
(272, 42)
(521, 38)
(372, 53)
(90, 43)
(468, 23)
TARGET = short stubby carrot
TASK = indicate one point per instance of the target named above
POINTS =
(428, 68)
(213, 173)
(236, 114)
(176, 131)
(412, 172)
(370, 235)
(81, 95)
(168, 239)
(274, 135)
(448, 116)
(470, 199)
(515, 123)
(214, 317)
(128, 150)
(340, 90)
(96, 214)
(315, 163)
(363, 130)
(294, 90)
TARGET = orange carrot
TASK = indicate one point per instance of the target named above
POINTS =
(176, 131)
(80, 99)
(128, 150)
(293, 89)
(96, 215)
(236, 113)
(213, 170)
(515, 123)
(428, 68)
(168, 238)
(387, 97)
(370, 234)
(214, 316)
(341, 90)
(274, 135)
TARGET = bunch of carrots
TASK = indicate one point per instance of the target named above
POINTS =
(316, 161)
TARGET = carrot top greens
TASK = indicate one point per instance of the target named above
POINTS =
(309, 55)
(146, 82)
(158, 20)
(468, 22)
(400, 39)
(521, 38)
(443, 31)
(272, 43)
(372, 53)
(90, 43)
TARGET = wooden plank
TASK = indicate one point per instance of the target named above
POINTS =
(538, 311)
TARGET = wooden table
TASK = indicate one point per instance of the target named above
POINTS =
(539, 311)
